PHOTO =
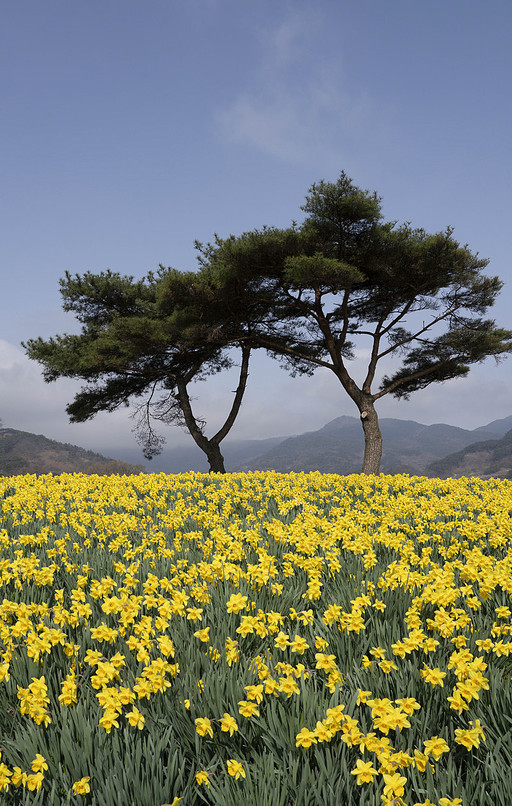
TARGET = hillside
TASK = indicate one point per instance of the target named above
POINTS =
(408, 447)
(182, 458)
(22, 452)
(487, 459)
(499, 426)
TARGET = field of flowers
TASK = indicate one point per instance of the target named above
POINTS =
(256, 639)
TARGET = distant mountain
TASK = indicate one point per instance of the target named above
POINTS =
(408, 447)
(498, 426)
(189, 457)
(486, 459)
(22, 452)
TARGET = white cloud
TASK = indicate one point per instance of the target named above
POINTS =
(30, 404)
(275, 404)
(300, 108)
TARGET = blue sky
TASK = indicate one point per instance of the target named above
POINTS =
(130, 129)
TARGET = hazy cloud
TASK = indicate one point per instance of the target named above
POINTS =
(300, 108)
(29, 404)
(275, 404)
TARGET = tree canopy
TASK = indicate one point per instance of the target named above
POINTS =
(310, 295)
(344, 277)
(149, 339)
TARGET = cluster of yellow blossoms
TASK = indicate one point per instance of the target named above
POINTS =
(114, 588)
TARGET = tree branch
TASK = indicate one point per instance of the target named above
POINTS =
(344, 313)
(419, 374)
(372, 364)
(417, 334)
(244, 372)
(191, 422)
(401, 315)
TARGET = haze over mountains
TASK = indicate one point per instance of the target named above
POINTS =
(408, 447)
(22, 452)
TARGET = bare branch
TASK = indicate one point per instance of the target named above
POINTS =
(235, 408)
(415, 336)
(413, 376)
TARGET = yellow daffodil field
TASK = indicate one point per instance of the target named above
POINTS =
(256, 639)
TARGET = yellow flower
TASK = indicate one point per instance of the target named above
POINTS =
(470, 737)
(194, 613)
(323, 733)
(204, 726)
(387, 665)
(364, 770)
(255, 692)
(202, 778)
(436, 747)
(282, 640)
(299, 645)
(166, 646)
(82, 787)
(326, 662)
(430, 644)
(409, 705)
(248, 709)
(305, 738)
(236, 603)
(394, 784)
(39, 763)
(5, 774)
(203, 635)
(109, 720)
(235, 769)
(228, 724)
(69, 695)
(391, 719)
(35, 782)
(135, 718)
(468, 689)
(288, 685)
(457, 702)
(420, 760)
(19, 778)
(433, 676)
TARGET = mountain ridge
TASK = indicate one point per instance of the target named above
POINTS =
(23, 452)
(337, 447)
(486, 459)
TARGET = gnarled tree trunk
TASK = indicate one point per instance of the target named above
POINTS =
(214, 456)
(211, 446)
(372, 437)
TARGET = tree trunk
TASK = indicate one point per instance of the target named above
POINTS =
(214, 456)
(372, 438)
(211, 446)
